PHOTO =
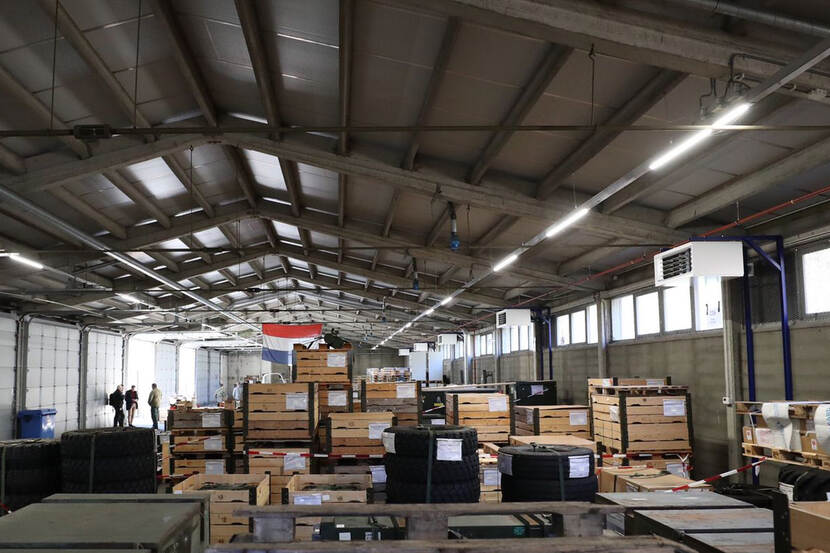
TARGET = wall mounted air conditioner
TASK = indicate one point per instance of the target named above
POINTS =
(420, 346)
(678, 265)
(447, 339)
(512, 317)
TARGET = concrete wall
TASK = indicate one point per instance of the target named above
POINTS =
(519, 365)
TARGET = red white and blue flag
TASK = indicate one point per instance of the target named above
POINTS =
(278, 340)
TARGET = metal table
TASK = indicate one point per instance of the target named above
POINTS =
(114, 526)
(740, 542)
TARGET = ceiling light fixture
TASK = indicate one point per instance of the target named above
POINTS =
(24, 260)
(505, 262)
(129, 298)
(556, 228)
(446, 300)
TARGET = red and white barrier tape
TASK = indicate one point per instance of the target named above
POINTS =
(718, 476)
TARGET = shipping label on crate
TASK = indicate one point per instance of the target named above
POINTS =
(654, 381)
(578, 418)
(338, 398)
(337, 359)
(607, 382)
(376, 430)
(614, 413)
(678, 469)
(530, 416)
(293, 461)
(215, 466)
(674, 407)
(763, 437)
(498, 403)
(448, 449)
(215, 443)
(378, 474)
(296, 402)
(211, 420)
(405, 391)
(344, 536)
(786, 489)
(492, 477)
(579, 466)
(506, 464)
(438, 422)
(308, 499)
(389, 442)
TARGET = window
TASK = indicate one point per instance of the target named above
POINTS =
(505, 340)
(578, 327)
(648, 314)
(514, 338)
(622, 318)
(524, 337)
(816, 267)
(591, 322)
(490, 345)
(677, 308)
(708, 311)
(563, 335)
(459, 350)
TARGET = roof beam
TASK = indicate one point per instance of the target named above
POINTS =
(184, 58)
(139, 198)
(243, 173)
(438, 69)
(291, 176)
(436, 229)
(186, 180)
(634, 108)
(73, 201)
(742, 187)
(590, 257)
(346, 27)
(541, 78)
(193, 243)
(632, 35)
(246, 10)
(11, 161)
(165, 260)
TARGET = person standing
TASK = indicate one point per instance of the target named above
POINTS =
(237, 392)
(219, 394)
(131, 401)
(155, 402)
(117, 402)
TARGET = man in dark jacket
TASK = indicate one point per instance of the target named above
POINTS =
(117, 402)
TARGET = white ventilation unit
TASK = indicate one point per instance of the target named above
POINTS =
(512, 317)
(678, 265)
(447, 339)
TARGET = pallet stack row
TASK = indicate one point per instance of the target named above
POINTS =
(227, 494)
(533, 420)
(202, 441)
(402, 398)
(646, 420)
(489, 414)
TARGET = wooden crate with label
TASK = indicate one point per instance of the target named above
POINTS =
(551, 419)
(357, 433)
(489, 477)
(320, 489)
(280, 463)
(489, 414)
(227, 494)
(403, 398)
(642, 419)
(280, 412)
(323, 365)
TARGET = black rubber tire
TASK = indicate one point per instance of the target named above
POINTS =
(461, 491)
(110, 469)
(146, 485)
(413, 441)
(519, 489)
(109, 442)
(809, 484)
(30, 453)
(414, 469)
(543, 462)
(32, 481)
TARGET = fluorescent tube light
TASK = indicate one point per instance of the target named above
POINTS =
(505, 262)
(25, 260)
(446, 300)
(129, 298)
(566, 222)
(429, 312)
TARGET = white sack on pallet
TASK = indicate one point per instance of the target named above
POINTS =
(777, 417)
(822, 422)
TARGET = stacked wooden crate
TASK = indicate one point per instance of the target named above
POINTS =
(227, 494)
(280, 413)
(281, 464)
(322, 365)
(651, 420)
(357, 433)
(532, 420)
(402, 398)
(201, 441)
(334, 398)
(594, 383)
(489, 414)
(319, 489)
(489, 477)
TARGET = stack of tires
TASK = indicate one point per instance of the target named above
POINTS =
(431, 464)
(29, 471)
(547, 473)
(109, 460)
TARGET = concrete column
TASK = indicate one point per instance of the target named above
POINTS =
(732, 325)
(603, 335)
(21, 363)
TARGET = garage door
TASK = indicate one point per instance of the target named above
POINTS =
(8, 358)
(208, 372)
(52, 371)
(166, 374)
(104, 366)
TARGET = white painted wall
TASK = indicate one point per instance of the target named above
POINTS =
(104, 355)
(53, 360)
(208, 375)
(8, 360)
(166, 374)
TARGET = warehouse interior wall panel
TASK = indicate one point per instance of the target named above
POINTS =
(53, 371)
(208, 375)
(8, 361)
(105, 362)
(520, 365)
(166, 374)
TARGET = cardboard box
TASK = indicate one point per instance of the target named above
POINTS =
(640, 479)
(810, 525)
(748, 435)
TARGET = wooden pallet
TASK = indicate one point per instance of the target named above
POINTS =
(553, 439)
(551, 419)
(402, 398)
(594, 383)
(280, 412)
(357, 433)
(197, 463)
(489, 414)
(331, 365)
(178, 419)
(787, 457)
(202, 441)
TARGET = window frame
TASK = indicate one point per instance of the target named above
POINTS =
(691, 329)
(801, 285)
(611, 338)
(660, 322)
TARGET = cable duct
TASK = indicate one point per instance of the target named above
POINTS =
(758, 16)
